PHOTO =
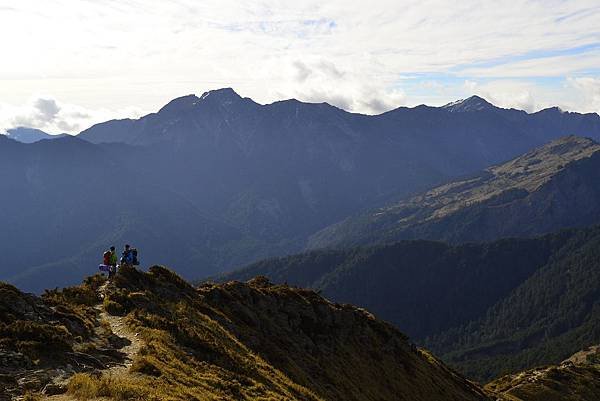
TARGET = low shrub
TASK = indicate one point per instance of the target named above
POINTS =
(145, 366)
(86, 387)
(112, 307)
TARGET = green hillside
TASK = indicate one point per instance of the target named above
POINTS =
(552, 314)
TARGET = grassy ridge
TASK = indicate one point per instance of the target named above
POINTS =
(252, 341)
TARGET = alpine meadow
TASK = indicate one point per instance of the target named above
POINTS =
(317, 201)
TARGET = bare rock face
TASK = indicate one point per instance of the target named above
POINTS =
(10, 360)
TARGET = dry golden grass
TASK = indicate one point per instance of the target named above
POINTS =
(87, 387)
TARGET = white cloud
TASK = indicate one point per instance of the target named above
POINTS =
(589, 90)
(302, 71)
(317, 80)
(108, 55)
(52, 116)
(509, 94)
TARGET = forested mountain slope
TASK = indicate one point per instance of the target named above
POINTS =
(486, 308)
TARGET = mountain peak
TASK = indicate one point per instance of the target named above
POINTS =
(552, 110)
(182, 103)
(223, 94)
(473, 103)
(538, 166)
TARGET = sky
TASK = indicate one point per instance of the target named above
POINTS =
(68, 64)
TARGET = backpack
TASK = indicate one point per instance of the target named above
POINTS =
(128, 256)
(134, 255)
(106, 257)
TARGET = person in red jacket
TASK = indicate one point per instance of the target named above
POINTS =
(106, 258)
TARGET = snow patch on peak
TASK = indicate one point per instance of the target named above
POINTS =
(474, 103)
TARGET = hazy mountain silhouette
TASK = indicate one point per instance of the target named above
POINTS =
(65, 200)
(30, 135)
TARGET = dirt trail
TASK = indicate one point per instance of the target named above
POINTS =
(119, 327)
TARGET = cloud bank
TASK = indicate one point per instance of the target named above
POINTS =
(102, 57)
(54, 117)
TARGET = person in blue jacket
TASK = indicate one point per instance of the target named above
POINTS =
(127, 256)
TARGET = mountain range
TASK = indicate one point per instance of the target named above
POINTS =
(215, 182)
(280, 172)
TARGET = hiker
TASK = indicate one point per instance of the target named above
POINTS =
(130, 257)
(105, 266)
(134, 257)
(113, 256)
(113, 262)
(106, 258)
(127, 256)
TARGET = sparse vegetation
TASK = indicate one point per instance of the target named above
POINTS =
(29, 396)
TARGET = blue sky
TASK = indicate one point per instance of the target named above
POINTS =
(76, 62)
